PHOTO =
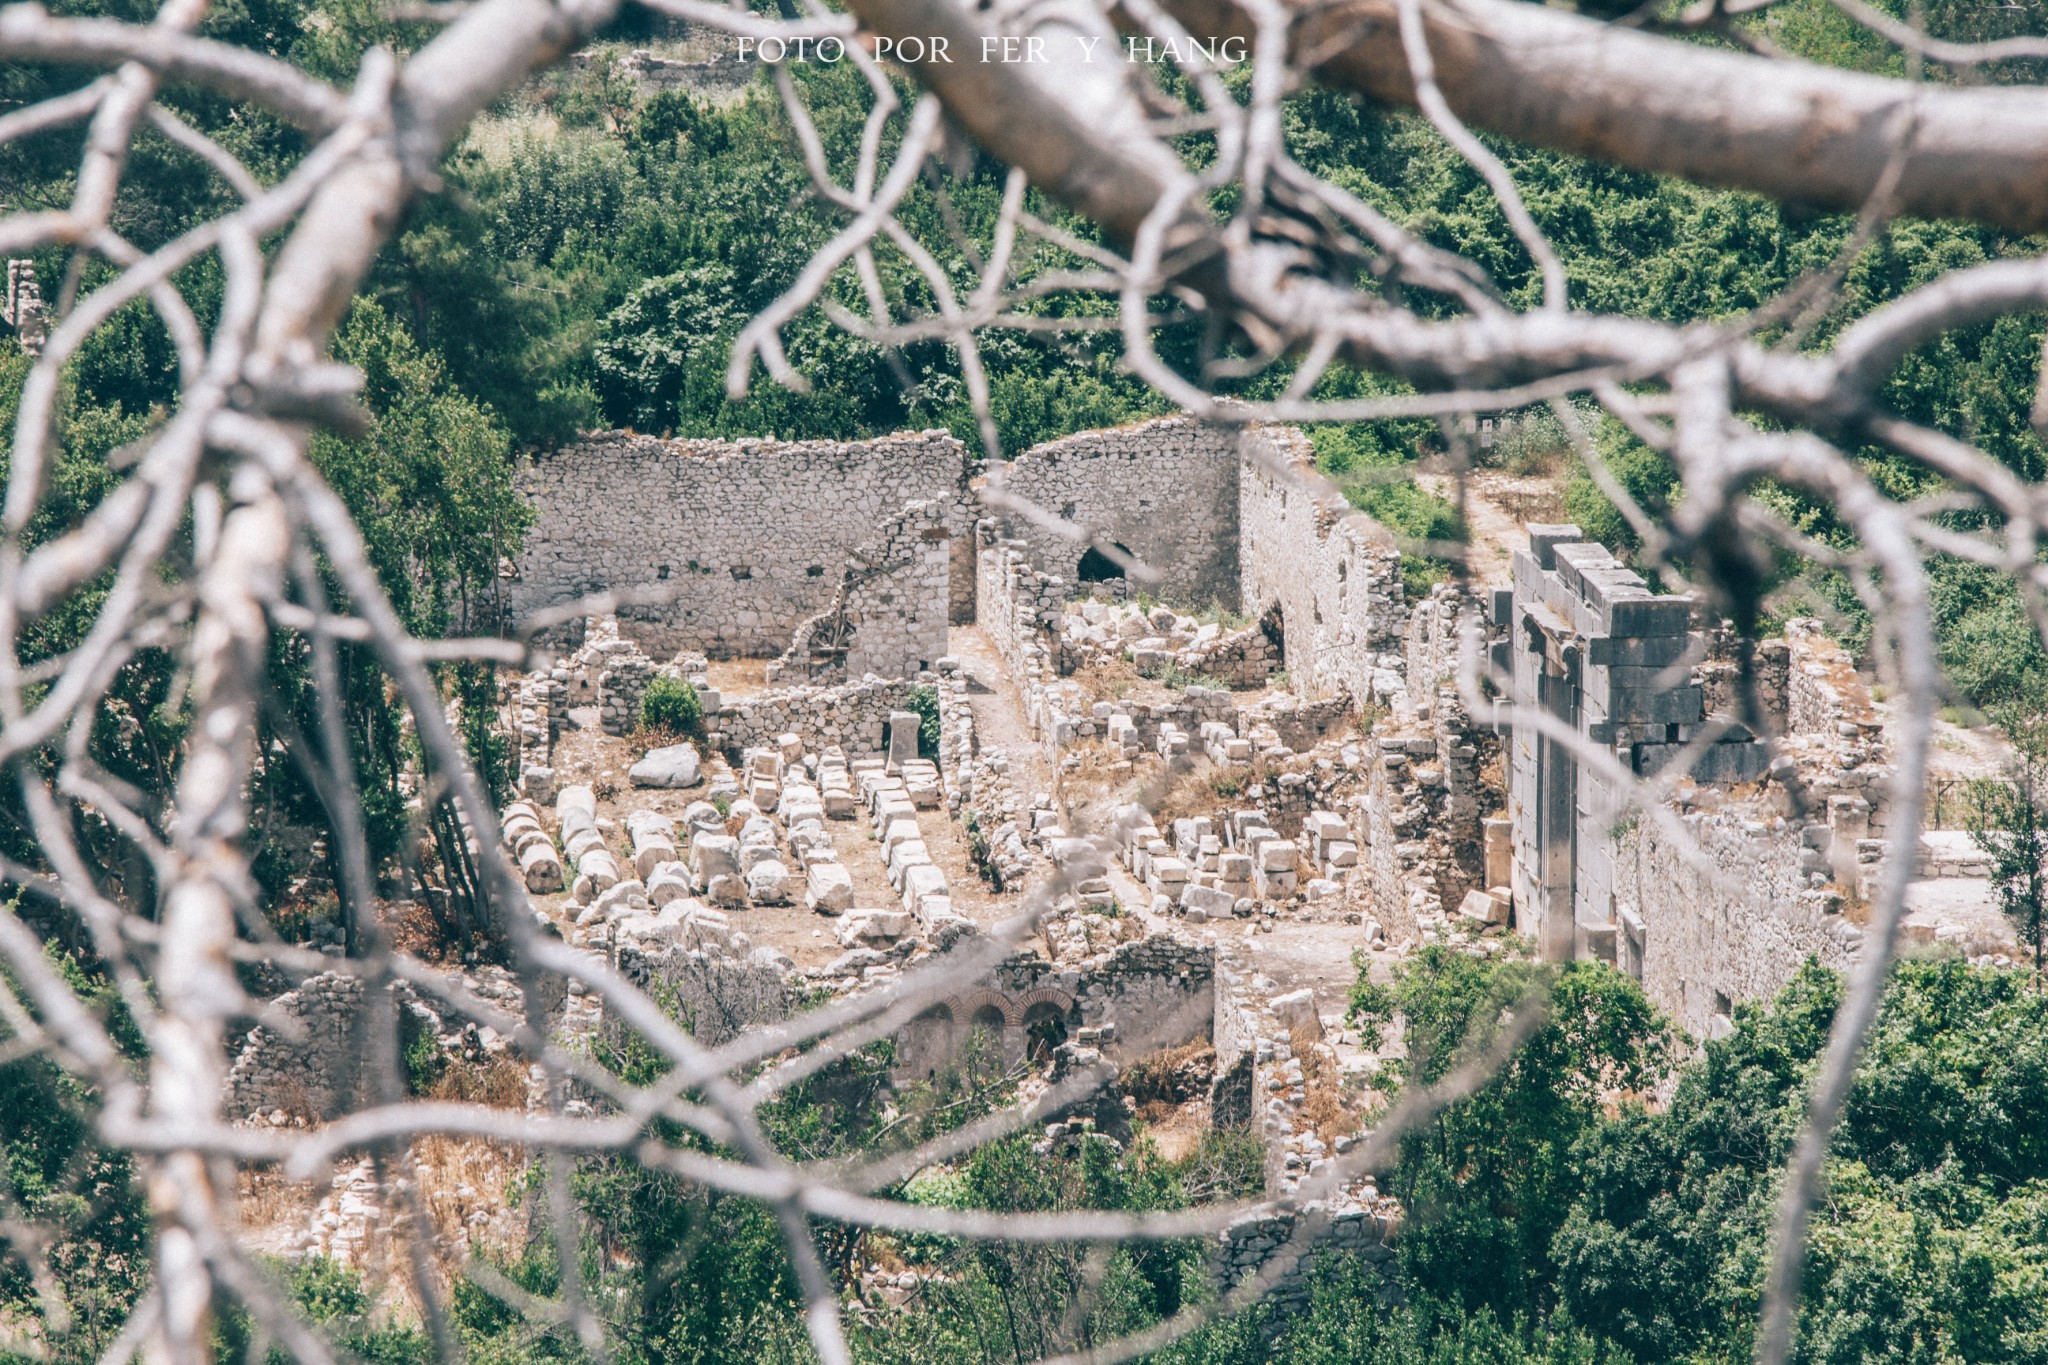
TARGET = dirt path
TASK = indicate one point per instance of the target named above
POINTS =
(998, 709)
(1497, 507)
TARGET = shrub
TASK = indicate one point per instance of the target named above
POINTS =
(671, 705)
(925, 701)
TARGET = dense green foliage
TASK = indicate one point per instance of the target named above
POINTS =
(672, 706)
(925, 701)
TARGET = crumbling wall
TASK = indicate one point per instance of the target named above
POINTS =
(716, 995)
(1591, 648)
(1015, 604)
(308, 1060)
(853, 716)
(1730, 922)
(750, 536)
(726, 69)
(1333, 572)
(890, 612)
(1253, 1244)
(1165, 490)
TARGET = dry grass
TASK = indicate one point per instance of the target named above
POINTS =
(1322, 1103)
(1172, 1077)
(499, 1082)
(1175, 1129)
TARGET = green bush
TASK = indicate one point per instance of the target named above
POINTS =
(925, 701)
(672, 705)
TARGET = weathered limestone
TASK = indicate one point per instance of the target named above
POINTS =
(890, 612)
(670, 766)
(697, 524)
(1165, 491)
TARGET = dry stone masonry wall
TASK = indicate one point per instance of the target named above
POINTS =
(1333, 573)
(890, 612)
(749, 537)
(1165, 491)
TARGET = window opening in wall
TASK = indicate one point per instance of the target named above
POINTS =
(662, 572)
(1097, 567)
(1724, 1008)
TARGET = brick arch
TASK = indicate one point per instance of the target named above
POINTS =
(967, 1005)
(1043, 995)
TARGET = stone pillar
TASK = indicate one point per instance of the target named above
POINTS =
(902, 739)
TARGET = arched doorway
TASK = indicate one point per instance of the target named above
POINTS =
(1273, 625)
(1097, 567)
(1045, 1028)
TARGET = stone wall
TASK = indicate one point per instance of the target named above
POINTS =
(1730, 921)
(751, 536)
(1166, 491)
(717, 75)
(1333, 572)
(308, 1062)
(854, 716)
(1015, 603)
(1594, 653)
(890, 612)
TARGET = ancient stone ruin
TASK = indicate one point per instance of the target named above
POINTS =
(1164, 683)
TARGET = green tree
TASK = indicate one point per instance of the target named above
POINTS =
(2011, 825)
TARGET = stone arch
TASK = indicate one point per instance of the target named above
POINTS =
(1042, 995)
(1097, 567)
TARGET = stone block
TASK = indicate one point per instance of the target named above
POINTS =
(619, 898)
(1650, 616)
(1647, 651)
(1500, 852)
(860, 927)
(1207, 902)
(715, 855)
(669, 882)
(903, 727)
(828, 888)
(1656, 706)
(1274, 886)
(1323, 826)
(1167, 875)
(1275, 855)
(1545, 537)
(906, 855)
(768, 883)
(1296, 1012)
(1484, 908)
(541, 868)
(922, 880)
(672, 765)
(651, 851)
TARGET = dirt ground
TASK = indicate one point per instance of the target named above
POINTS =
(1497, 507)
